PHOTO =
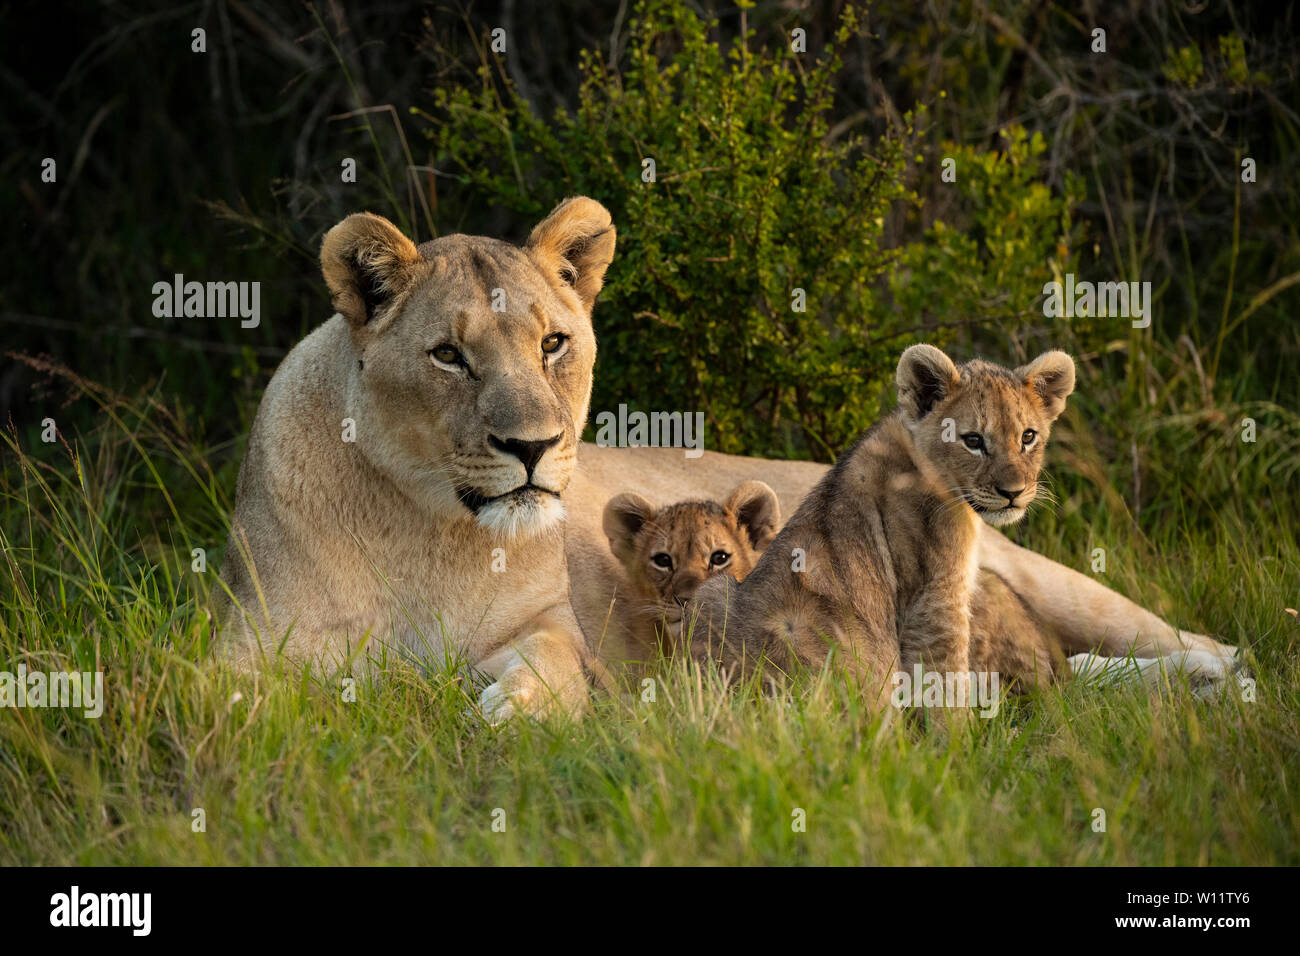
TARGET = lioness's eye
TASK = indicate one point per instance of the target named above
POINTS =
(718, 558)
(662, 560)
(447, 354)
(973, 440)
(553, 342)
(1028, 437)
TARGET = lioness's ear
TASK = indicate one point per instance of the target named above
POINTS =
(1051, 376)
(575, 243)
(757, 512)
(925, 377)
(625, 516)
(366, 261)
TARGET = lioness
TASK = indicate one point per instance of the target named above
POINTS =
(404, 480)
(669, 552)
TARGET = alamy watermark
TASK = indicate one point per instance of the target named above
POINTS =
(653, 430)
(1125, 300)
(211, 300)
(132, 911)
(68, 689)
(923, 688)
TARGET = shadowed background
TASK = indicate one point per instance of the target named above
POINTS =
(225, 166)
(775, 171)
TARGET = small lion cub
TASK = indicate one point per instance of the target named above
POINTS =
(669, 552)
(879, 562)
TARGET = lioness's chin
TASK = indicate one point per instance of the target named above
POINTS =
(1002, 517)
(523, 514)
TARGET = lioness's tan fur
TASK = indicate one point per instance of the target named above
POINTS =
(438, 531)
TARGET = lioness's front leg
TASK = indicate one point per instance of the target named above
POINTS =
(539, 673)
(1083, 614)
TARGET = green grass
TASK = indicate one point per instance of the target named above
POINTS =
(97, 574)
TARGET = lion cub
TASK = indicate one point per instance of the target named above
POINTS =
(669, 552)
(879, 562)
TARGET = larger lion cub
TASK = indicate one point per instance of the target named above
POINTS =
(406, 477)
(879, 562)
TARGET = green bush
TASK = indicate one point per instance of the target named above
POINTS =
(759, 190)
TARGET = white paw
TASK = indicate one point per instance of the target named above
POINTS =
(495, 704)
(1206, 672)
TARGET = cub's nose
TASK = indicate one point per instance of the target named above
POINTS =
(528, 452)
(1011, 496)
(684, 589)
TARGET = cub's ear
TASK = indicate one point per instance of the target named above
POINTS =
(575, 243)
(1051, 378)
(625, 516)
(925, 377)
(757, 512)
(366, 261)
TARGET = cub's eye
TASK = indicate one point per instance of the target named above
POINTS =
(554, 342)
(973, 440)
(447, 354)
(1028, 437)
(662, 560)
(718, 558)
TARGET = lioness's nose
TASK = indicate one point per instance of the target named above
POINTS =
(529, 452)
(1011, 496)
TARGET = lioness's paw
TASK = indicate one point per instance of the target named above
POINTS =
(521, 693)
(1206, 672)
(1236, 677)
(498, 706)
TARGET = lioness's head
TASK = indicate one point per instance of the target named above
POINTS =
(669, 552)
(473, 359)
(982, 426)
